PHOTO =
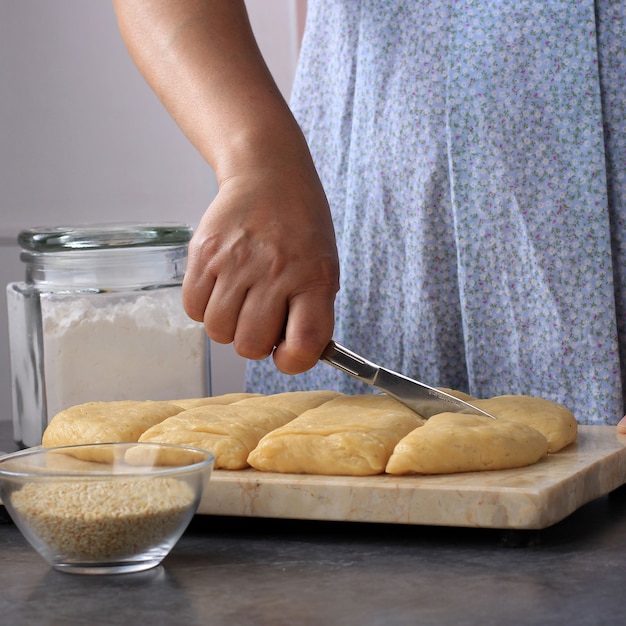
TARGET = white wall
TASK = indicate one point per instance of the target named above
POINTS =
(83, 139)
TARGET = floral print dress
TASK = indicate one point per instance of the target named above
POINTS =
(474, 157)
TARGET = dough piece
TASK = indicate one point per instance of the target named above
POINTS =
(349, 435)
(227, 398)
(232, 431)
(228, 431)
(106, 422)
(453, 442)
(557, 423)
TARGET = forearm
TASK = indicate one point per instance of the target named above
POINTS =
(201, 59)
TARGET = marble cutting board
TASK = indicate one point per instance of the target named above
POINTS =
(533, 497)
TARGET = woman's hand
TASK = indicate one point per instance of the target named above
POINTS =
(264, 254)
(263, 268)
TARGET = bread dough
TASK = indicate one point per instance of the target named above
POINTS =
(324, 432)
(232, 431)
(454, 442)
(557, 423)
(349, 435)
(105, 422)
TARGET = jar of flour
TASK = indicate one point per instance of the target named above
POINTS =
(99, 317)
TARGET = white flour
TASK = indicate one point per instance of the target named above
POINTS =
(109, 346)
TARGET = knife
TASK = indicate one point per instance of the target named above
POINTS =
(423, 399)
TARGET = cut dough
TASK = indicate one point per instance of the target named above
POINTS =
(120, 421)
(228, 431)
(453, 442)
(232, 431)
(350, 435)
(557, 423)
(324, 432)
(106, 422)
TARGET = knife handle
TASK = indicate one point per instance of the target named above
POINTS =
(347, 361)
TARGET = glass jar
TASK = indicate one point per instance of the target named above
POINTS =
(99, 317)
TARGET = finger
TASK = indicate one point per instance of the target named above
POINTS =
(198, 282)
(310, 324)
(260, 324)
(197, 289)
(221, 316)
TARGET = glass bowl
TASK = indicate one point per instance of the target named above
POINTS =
(104, 508)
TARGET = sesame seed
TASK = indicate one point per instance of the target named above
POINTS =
(104, 519)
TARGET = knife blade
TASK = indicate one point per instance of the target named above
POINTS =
(423, 399)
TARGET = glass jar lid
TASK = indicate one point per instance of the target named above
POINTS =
(104, 236)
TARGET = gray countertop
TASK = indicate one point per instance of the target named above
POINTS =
(280, 572)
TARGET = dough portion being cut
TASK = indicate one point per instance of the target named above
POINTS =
(461, 395)
(227, 398)
(296, 401)
(232, 431)
(106, 422)
(554, 421)
(453, 442)
(350, 435)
